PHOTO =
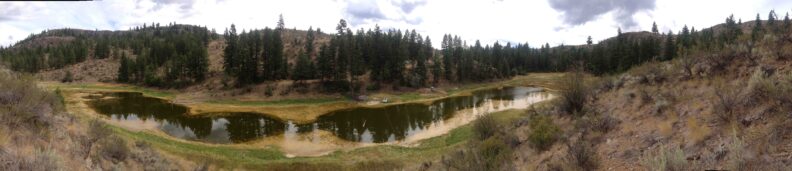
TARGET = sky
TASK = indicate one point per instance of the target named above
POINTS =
(517, 21)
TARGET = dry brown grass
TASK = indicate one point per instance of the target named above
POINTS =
(697, 133)
(665, 159)
(666, 128)
(4, 137)
(583, 155)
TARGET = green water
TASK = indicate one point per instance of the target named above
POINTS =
(360, 124)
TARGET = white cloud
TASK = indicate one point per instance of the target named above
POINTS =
(534, 22)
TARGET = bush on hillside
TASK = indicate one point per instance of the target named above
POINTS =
(597, 122)
(544, 133)
(115, 148)
(269, 90)
(665, 159)
(574, 93)
(67, 77)
(484, 127)
(782, 91)
(686, 64)
(727, 100)
(24, 105)
(98, 130)
(760, 86)
(582, 155)
(490, 154)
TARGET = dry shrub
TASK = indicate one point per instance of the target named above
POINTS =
(781, 92)
(383, 165)
(686, 64)
(300, 166)
(604, 84)
(484, 127)
(760, 85)
(41, 159)
(574, 92)
(650, 73)
(719, 61)
(115, 148)
(727, 100)
(490, 150)
(764, 87)
(582, 155)
(153, 160)
(45, 160)
(24, 105)
(490, 154)
(665, 159)
(737, 158)
(599, 122)
(644, 95)
(98, 130)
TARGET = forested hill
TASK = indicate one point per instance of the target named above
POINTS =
(344, 59)
(179, 50)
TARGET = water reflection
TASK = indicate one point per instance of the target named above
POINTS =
(385, 124)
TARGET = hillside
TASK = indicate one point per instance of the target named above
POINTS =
(37, 133)
(722, 108)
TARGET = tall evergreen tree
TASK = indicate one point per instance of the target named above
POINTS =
(281, 24)
(123, 69)
(757, 29)
(588, 41)
(733, 30)
(670, 46)
(231, 51)
(787, 23)
(309, 41)
(654, 28)
(686, 37)
(304, 68)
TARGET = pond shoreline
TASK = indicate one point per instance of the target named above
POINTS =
(302, 112)
(333, 128)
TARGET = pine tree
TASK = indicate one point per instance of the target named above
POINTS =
(102, 49)
(787, 23)
(757, 30)
(588, 41)
(123, 69)
(654, 28)
(303, 69)
(281, 24)
(670, 46)
(732, 30)
(684, 37)
(309, 41)
(325, 63)
(437, 67)
(231, 51)
(771, 18)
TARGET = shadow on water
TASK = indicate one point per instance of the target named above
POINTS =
(360, 124)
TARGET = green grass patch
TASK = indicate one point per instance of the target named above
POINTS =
(88, 86)
(410, 96)
(313, 101)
